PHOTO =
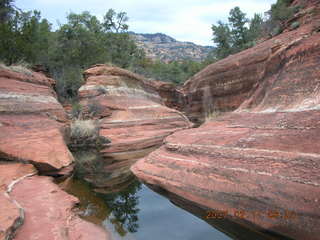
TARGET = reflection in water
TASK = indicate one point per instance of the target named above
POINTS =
(117, 209)
(125, 209)
(112, 197)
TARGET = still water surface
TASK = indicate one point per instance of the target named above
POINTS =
(136, 212)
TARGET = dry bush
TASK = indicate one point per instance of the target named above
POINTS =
(84, 129)
(20, 68)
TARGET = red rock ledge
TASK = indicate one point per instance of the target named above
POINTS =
(260, 164)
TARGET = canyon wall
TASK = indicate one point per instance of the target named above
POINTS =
(32, 128)
(256, 167)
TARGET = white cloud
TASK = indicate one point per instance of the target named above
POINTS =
(188, 20)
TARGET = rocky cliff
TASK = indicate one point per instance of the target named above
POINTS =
(257, 167)
(32, 124)
(159, 46)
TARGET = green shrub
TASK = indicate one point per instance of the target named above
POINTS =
(76, 110)
(294, 25)
(20, 67)
(94, 108)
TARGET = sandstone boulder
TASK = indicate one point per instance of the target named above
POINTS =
(31, 120)
(48, 213)
(11, 217)
(258, 167)
(131, 114)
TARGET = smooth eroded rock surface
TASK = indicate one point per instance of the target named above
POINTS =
(11, 214)
(260, 164)
(225, 85)
(48, 213)
(131, 112)
(31, 121)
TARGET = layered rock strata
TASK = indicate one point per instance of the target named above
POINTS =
(131, 114)
(225, 85)
(258, 166)
(31, 121)
(32, 124)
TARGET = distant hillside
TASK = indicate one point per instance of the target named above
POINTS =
(166, 48)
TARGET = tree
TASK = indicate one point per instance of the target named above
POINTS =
(115, 22)
(239, 31)
(255, 29)
(235, 36)
(222, 38)
(23, 37)
(278, 14)
(6, 10)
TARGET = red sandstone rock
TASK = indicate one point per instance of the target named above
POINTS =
(48, 213)
(264, 158)
(130, 113)
(31, 121)
(223, 86)
(11, 216)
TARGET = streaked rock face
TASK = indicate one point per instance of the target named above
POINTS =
(131, 114)
(11, 213)
(260, 164)
(130, 110)
(31, 131)
(225, 85)
(48, 213)
(31, 121)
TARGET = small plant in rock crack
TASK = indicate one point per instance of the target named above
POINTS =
(94, 108)
(76, 110)
(85, 134)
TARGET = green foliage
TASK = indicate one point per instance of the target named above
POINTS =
(69, 80)
(238, 34)
(24, 37)
(6, 10)
(239, 31)
(76, 110)
(115, 22)
(223, 40)
(255, 27)
(175, 72)
(279, 13)
(81, 42)
(294, 25)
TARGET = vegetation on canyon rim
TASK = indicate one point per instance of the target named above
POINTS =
(85, 40)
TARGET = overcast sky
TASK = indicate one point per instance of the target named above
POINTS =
(184, 20)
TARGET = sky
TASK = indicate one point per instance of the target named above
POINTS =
(184, 20)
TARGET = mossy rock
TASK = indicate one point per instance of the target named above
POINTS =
(294, 25)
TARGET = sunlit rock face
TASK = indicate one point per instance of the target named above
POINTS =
(33, 207)
(49, 212)
(130, 110)
(32, 124)
(259, 164)
(31, 121)
(131, 114)
(225, 85)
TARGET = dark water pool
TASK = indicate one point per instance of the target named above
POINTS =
(136, 212)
